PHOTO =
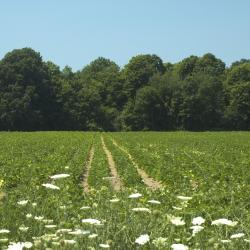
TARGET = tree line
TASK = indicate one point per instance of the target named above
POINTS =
(197, 94)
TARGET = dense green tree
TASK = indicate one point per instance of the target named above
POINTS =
(237, 87)
(25, 93)
(139, 70)
(198, 93)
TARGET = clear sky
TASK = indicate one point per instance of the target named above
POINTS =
(75, 32)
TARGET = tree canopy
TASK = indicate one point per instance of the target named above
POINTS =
(197, 93)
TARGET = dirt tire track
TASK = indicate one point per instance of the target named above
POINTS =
(148, 181)
(87, 169)
(116, 181)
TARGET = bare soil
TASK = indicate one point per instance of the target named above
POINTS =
(115, 181)
(150, 182)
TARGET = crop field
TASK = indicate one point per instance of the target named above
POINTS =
(136, 190)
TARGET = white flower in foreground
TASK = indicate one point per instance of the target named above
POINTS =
(134, 196)
(34, 204)
(4, 231)
(50, 186)
(50, 226)
(143, 239)
(177, 208)
(177, 221)
(179, 247)
(16, 246)
(184, 198)
(196, 229)
(225, 241)
(91, 221)
(92, 236)
(160, 242)
(104, 245)
(70, 242)
(141, 209)
(114, 200)
(198, 221)
(23, 228)
(224, 221)
(59, 176)
(28, 216)
(236, 236)
(39, 218)
(154, 202)
(23, 202)
(85, 208)
(79, 232)
(19, 245)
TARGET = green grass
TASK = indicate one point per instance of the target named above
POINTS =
(212, 168)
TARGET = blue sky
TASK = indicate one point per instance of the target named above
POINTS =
(75, 32)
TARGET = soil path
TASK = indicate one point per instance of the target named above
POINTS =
(87, 169)
(150, 182)
(115, 181)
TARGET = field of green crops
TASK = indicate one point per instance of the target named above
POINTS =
(145, 190)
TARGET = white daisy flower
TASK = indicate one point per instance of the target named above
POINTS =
(177, 221)
(184, 198)
(23, 202)
(143, 239)
(16, 246)
(154, 202)
(104, 246)
(114, 200)
(39, 218)
(179, 247)
(79, 232)
(177, 208)
(226, 241)
(91, 221)
(196, 229)
(85, 208)
(28, 216)
(224, 221)
(236, 236)
(92, 236)
(59, 176)
(50, 226)
(23, 228)
(134, 196)
(70, 242)
(50, 186)
(198, 221)
(19, 245)
(4, 231)
(141, 209)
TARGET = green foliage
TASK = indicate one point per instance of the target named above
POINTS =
(211, 168)
(198, 93)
